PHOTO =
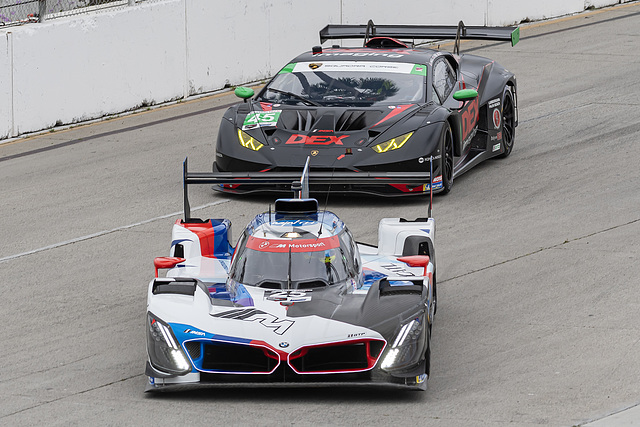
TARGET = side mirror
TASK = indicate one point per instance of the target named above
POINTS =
(244, 92)
(465, 95)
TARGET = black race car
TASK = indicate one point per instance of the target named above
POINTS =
(372, 117)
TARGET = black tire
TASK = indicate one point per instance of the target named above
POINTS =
(427, 354)
(508, 122)
(446, 158)
(435, 296)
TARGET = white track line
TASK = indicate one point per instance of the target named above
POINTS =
(102, 233)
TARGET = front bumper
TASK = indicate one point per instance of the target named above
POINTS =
(281, 378)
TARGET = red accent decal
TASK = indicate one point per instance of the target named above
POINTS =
(469, 118)
(265, 106)
(399, 109)
(205, 233)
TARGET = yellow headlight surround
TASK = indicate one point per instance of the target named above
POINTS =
(247, 141)
(392, 144)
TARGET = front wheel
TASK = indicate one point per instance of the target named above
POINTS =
(446, 158)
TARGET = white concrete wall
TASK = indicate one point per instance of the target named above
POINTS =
(87, 66)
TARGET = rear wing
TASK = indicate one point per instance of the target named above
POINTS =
(299, 183)
(432, 32)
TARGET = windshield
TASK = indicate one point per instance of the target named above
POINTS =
(291, 263)
(344, 83)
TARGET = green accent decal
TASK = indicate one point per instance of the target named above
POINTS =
(419, 69)
(515, 36)
(288, 68)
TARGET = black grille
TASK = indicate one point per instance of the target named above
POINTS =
(227, 357)
(341, 357)
(193, 348)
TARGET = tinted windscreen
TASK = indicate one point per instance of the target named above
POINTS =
(297, 264)
(338, 83)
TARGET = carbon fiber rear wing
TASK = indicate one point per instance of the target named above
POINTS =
(299, 183)
(430, 32)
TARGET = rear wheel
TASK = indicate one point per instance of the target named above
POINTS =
(446, 158)
(508, 122)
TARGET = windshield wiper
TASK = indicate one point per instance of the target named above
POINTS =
(295, 95)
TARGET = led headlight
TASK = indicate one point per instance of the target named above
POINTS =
(408, 342)
(163, 348)
(392, 144)
(247, 141)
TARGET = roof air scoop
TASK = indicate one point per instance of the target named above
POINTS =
(385, 43)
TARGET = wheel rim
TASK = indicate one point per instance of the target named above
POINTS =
(508, 120)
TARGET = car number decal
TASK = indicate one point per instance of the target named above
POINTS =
(288, 295)
(261, 119)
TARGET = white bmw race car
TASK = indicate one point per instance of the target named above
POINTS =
(296, 302)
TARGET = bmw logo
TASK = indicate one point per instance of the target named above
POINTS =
(283, 344)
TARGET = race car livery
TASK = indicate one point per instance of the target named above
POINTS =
(297, 301)
(373, 115)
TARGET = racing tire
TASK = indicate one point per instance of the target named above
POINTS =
(508, 122)
(446, 158)
(435, 296)
(427, 354)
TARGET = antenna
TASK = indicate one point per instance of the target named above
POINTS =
(304, 180)
(185, 192)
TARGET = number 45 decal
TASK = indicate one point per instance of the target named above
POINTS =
(288, 296)
(260, 119)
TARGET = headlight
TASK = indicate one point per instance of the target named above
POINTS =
(392, 144)
(247, 141)
(408, 342)
(163, 348)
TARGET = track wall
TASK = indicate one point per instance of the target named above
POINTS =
(82, 67)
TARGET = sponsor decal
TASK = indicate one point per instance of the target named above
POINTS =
(469, 119)
(467, 141)
(365, 66)
(293, 223)
(316, 139)
(497, 137)
(257, 119)
(387, 55)
(421, 378)
(494, 103)
(192, 332)
(298, 245)
(397, 269)
(288, 295)
(497, 119)
(268, 320)
(496, 147)
(359, 334)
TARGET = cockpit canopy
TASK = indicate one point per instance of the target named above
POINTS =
(295, 252)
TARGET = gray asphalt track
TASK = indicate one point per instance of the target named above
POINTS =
(538, 258)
